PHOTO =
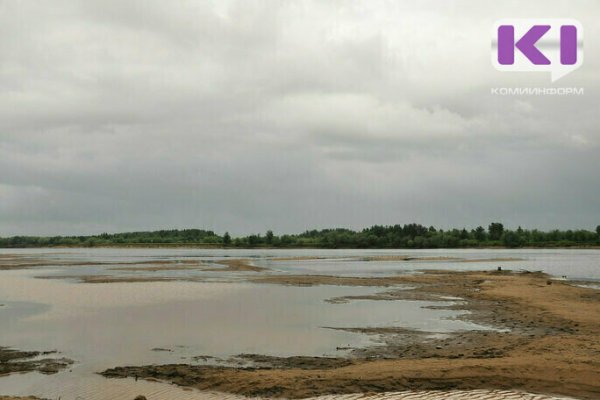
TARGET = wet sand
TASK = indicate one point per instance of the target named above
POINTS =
(428, 395)
(439, 258)
(19, 261)
(237, 265)
(399, 258)
(550, 343)
(233, 265)
(17, 361)
(157, 391)
(113, 278)
(312, 280)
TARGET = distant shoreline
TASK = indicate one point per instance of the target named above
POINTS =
(408, 236)
(219, 247)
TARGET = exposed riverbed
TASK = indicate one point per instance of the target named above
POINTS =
(103, 308)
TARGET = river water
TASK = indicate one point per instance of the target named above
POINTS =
(218, 314)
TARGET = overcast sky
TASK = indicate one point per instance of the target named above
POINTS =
(244, 116)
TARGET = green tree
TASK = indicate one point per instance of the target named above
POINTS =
(495, 230)
(598, 230)
(286, 240)
(226, 239)
(512, 239)
(480, 233)
(269, 237)
(253, 240)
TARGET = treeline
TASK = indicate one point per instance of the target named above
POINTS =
(172, 236)
(410, 236)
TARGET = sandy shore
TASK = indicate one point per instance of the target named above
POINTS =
(550, 343)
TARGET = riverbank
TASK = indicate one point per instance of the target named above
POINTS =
(547, 340)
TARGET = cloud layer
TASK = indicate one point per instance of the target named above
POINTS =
(254, 115)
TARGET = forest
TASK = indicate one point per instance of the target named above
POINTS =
(408, 236)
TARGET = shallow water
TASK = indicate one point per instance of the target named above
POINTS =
(110, 324)
(573, 263)
(103, 325)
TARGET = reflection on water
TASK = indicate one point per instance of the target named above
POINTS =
(13, 311)
(102, 325)
(576, 263)
(105, 325)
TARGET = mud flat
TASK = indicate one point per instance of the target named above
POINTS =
(379, 258)
(113, 278)
(234, 265)
(19, 398)
(18, 261)
(547, 340)
(16, 361)
(436, 258)
(237, 265)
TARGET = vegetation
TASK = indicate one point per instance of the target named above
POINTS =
(173, 236)
(411, 236)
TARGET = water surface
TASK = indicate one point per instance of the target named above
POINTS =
(221, 315)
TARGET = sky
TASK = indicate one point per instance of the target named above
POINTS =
(244, 116)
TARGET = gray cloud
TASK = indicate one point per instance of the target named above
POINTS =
(254, 115)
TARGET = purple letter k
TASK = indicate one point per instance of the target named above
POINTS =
(506, 44)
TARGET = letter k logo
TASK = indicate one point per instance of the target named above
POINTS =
(506, 44)
(553, 45)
